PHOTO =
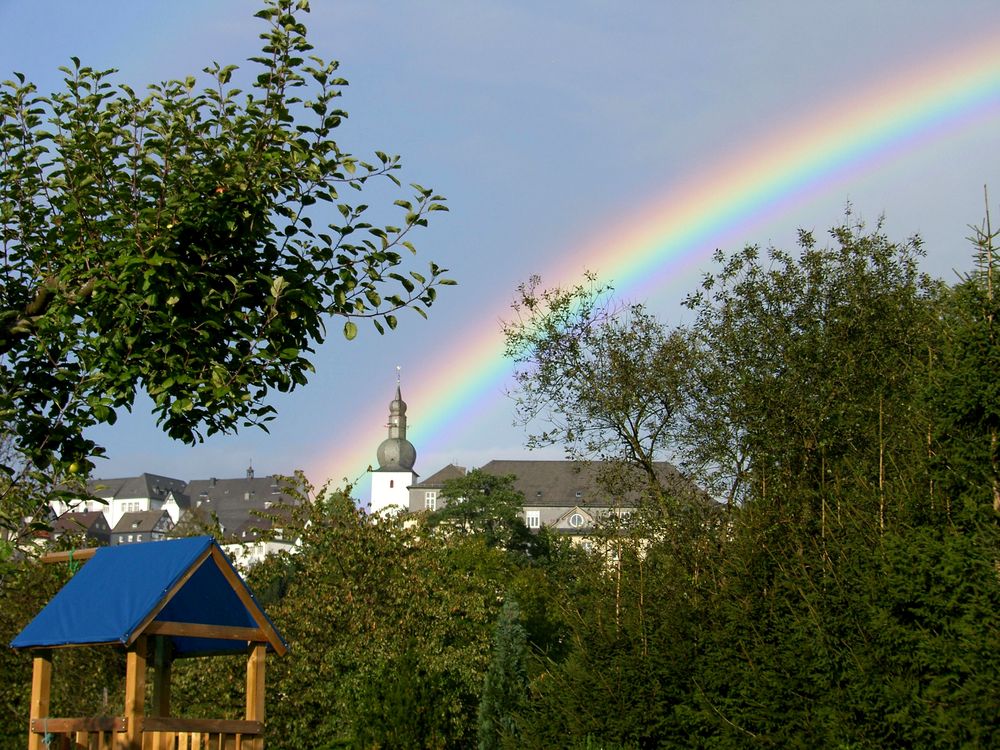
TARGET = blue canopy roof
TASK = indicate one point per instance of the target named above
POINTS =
(123, 590)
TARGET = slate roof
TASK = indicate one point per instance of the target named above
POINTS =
(124, 590)
(139, 522)
(438, 478)
(153, 486)
(564, 483)
(90, 523)
(232, 500)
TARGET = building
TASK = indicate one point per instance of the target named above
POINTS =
(116, 497)
(91, 525)
(150, 506)
(141, 526)
(567, 497)
(396, 456)
(234, 503)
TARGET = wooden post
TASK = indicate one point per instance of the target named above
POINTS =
(162, 661)
(41, 687)
(135, 693)
(255, 689)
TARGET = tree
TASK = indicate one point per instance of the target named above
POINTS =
(389, 629)
(810, 365)
(505, 688)
(964, 395)
(483, 505)
(173, 242)
(608, 382)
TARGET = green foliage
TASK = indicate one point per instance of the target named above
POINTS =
(179, 241)
(389, 632)
(483, 505)
(608, 383)
(505, 688)
(964, 392)
(827, 606)
(811, 365)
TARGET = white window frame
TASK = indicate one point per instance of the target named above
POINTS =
(576, 524)
(430, 500)
(533, 519)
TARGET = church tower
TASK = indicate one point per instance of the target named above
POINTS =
(396, 456)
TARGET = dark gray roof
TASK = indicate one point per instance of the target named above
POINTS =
(438, 478)
(232, 500)
(80, 522)
(145, 485)
(568, 483)
(139, 522)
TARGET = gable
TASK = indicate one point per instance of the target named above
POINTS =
(575, 520)
(128, 590)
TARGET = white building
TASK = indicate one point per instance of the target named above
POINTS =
(396, 456)
(116, 497)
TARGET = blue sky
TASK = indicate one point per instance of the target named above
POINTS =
(542, 123)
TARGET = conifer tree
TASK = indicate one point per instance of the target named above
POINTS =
(505, 686)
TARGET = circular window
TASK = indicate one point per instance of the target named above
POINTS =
(576, 520)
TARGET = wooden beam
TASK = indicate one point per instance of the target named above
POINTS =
(252, 607)
(78, 555)
(255, 693)
(227, 726)
(41, 691)
(87, 724)
(201, 630)
(135, 693)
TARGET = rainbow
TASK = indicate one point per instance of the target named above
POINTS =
(677, 231)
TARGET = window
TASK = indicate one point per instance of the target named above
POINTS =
(533, 519)
(138, 537)
(576, 520)
(130, 538)
(392, 483)
(430, 500)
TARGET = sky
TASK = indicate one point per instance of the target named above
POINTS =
(627, 137)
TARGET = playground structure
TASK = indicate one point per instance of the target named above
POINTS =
(159, 601)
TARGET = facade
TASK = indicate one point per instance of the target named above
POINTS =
(116, 497)
(564, 496)
(567, 497)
